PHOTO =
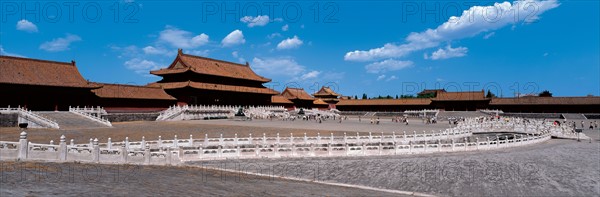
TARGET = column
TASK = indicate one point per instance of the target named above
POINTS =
(63, 148)
(23, 146)
(96, 151)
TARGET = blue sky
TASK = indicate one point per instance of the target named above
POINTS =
(372, 47)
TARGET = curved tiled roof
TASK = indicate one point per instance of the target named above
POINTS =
(320, 102)
(16, 70)
(208, 66)
(212, 86)
(460, 96)
(296, 93)
(280, 99)
(405, 101)
(547, 101)
(131, 92)
(326, 91)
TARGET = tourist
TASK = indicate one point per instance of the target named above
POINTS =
(377, 120)
(358, 118)
(591, 125)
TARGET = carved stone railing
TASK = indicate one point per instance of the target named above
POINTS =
(174, 151)
(34, 120)
(89, 114)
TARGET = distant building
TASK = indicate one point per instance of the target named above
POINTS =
(118, 98)
(199, 80)
(327, 95)
(299, 97)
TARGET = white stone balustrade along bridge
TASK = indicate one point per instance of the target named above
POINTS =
(501, 133)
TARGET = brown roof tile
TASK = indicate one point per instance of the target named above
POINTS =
(296, 93)
(16, 70)
(131, 92)
(406, 101)
(320, 102)
(208, 66)
(460, 96)
(212, 86)
(547, 101)
(280, 99)
(326, 91)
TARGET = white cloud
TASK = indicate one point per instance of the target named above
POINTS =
(448, 52)
(283, 66)
(388, 65)
(310, 75)
(198, 52)
(487, 36)
(60, 44)
(25, 25)
(274, 35)
(290, 43)
(255, 21)
(285, 27)
(181, 38)
(234, 38)
(150, 50)
(235, 54)
(3, 52)
(141, 66)
(380, 77)
(393, 77)
(473, 21)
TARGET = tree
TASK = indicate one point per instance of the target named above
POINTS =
(490, 94)
(407, 96)
(365, 96)
(396, 96)
(355, 97)
(428, 95)
(545, 93)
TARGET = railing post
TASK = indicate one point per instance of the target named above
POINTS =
(146, 154)
(345, 138)
(169, 155)
(143, 143)
(192, 140)
(235, 139)
(206, 140)
(175, 141)
(23, 146)
(96, 151)
(63, 148)
(249, 139)
(124, 153)
(109, 143)
(160, 141)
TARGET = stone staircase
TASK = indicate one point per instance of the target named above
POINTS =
(573, 116)
(68, 120)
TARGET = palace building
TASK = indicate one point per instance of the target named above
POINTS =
(327, 95)
(196, 80)
(299, 97)
(43, 85)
